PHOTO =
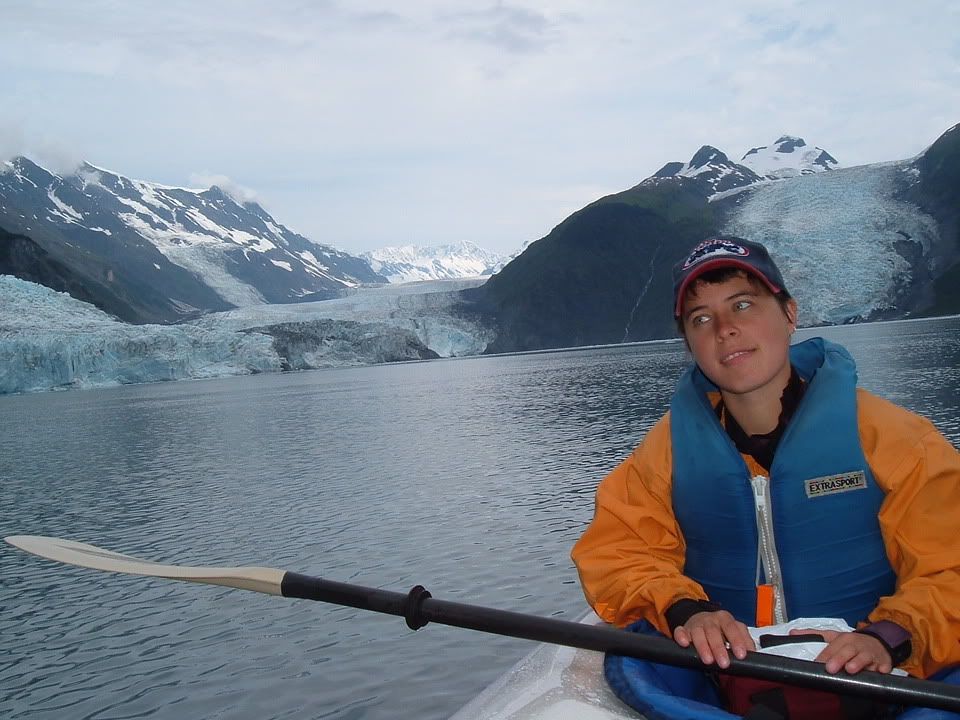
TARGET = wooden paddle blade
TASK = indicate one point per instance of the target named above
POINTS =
(257, 579)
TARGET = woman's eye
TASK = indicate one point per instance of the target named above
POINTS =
(742, 304)
(701, 319)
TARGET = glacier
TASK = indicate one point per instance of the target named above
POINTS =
(837, 237)
(425, 309)
(49, 340)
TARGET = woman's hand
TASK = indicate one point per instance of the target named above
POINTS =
(851, 651)
(713, 634)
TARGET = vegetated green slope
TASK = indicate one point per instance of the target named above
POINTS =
(603, 275)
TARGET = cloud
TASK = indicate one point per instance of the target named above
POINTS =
(55, 156)
(510, 28)
(331, 108)
(236, 191)
(12, 140)
(16, 140)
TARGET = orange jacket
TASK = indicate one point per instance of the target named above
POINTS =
(631, 556)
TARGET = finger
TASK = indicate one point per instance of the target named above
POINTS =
(881, 660)
(742, 643)
(858, 662)
(739, 639)
(718, 646)
(866, 660)
(834, 655)
(855, 653)
(837, 657)
(702, 645)
(681, 636)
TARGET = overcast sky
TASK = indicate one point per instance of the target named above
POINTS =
(369, 123)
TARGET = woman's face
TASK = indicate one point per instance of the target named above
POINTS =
(739, 335)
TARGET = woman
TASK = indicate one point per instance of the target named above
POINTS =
(776, 489)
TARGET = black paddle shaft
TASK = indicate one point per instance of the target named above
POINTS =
(419, 608)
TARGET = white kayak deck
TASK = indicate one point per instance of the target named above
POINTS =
(551, 683)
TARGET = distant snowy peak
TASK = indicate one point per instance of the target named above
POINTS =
(711, 168)
(504, 261)
(411, 263)
(788, 157)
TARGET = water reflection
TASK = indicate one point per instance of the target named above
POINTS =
(915, 364)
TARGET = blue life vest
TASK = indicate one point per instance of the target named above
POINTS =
(832, 557)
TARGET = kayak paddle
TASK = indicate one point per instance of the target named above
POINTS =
(418, 608)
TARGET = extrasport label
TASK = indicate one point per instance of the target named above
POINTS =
(833, 484)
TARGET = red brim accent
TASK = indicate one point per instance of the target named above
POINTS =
(719, 263)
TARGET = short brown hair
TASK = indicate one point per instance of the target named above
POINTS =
(720, 275)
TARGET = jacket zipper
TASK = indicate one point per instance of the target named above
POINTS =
(767, 547)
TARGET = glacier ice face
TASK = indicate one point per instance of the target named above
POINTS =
(426, 309)
(49, 340)
(325, 343)
(835, 237)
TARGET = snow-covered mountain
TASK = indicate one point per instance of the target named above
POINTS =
(788, 157)
(711, 168)
(715, 172)
(855, 257)
(411, 263)
(189, 251)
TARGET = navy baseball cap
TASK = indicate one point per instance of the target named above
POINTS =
(724, 251)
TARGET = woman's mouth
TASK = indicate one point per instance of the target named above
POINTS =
(734, 357)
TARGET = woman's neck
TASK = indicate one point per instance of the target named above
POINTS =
(758, 412)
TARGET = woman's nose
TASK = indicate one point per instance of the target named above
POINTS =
(725, 327)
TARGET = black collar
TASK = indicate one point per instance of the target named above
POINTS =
(762, 447)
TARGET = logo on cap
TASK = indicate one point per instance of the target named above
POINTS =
(715, 247)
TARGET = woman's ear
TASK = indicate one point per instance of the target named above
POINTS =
(791, 311)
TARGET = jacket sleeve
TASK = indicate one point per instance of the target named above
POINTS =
(919, 470)
(631, 556)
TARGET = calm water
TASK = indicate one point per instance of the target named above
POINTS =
(472, 477)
